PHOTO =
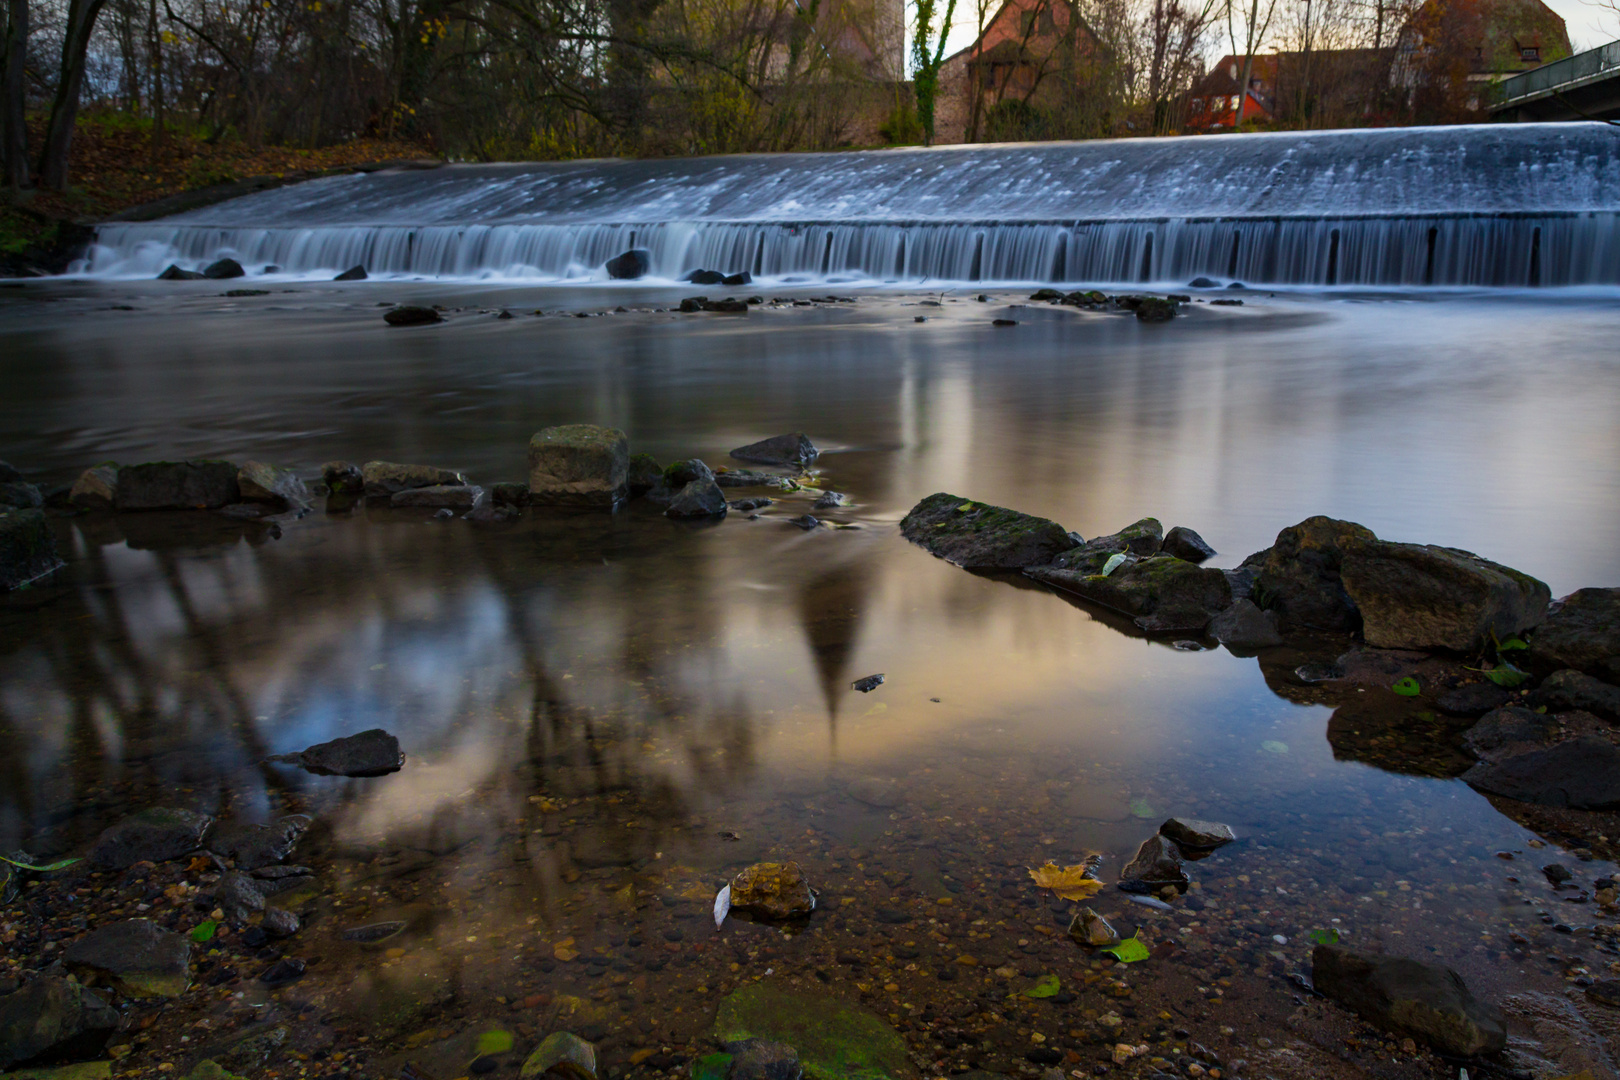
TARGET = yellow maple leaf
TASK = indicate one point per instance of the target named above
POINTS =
(1068, 882)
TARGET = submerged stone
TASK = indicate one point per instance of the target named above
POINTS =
(252, 847)
(834, 1040)
(153, 835)
(642, 474)
(27, 548)
(762, 1059)
(564, 1054)
(1472, 699)
(1582, 773)
(53, 1018)
(1424, 1001)
(137, 957)
(794, 448)
(978, 536)
(579, 465)
(177, 485)
(1419, 596)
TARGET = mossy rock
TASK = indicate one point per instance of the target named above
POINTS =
(84, 1070)
(1140, 538)
(1300, 575)
(834, 1040)
(27, 548)
(1163, 594)
(979, 536)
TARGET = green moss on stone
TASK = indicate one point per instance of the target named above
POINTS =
(834, 1040)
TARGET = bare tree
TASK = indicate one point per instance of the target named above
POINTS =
(14, 126)
(1256, 18)
(53, 157)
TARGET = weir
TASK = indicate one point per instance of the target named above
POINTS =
(1489, 205)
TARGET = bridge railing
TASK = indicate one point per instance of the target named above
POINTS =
(1559, 73)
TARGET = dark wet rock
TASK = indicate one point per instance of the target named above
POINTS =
(252, 847)
(279, 922)
(730, 305)
(749, 478)
(643, 473)
(579, 465)
(1605, 992)
(353, 273)
(746, 506)
(1557, 873)
(703, 277)
(1299, 576)
(681, 473)
(1141, 539)
(1582, 773)
(772, 891)
(1424, 1001)
(791, 449)
(1202, 282)
(153, 835)
(411, 315)
(177, 485)
(830, 500)
(692, 304)
(373, 933)
(137, 957)
(1510, 727)
(1157, 862)
(239, 895)
(370, 753)
(629, 265)
(385, 479)
(1417, 596)
(1191, 833)
(564, 1056)
(979, 536)
(10, 474)
(741, 278)
(1472, 699)
(96, 487)
(343, 478)
(281, 488)
(1089, 928)
(1183, 543)
(698, 499)
(175, 273)
(805, 522)
(444, 514)
(835, 1040)
(1154, 309)
(868, 684)
(223, 270)
(53, 1019)
(282, 972)
(27, 548)
(1162, 594)
(509, 494)
(762, 1059)
(449, 496)
(1243, 627)
(1581, 632)
(1569, 689)
(20, 495)
(1242, 581)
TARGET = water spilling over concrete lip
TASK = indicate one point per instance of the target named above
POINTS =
(1485, 204)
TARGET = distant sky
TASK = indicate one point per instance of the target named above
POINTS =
(1590, 25)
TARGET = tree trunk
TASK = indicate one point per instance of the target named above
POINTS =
(53, 159)
(14, 153)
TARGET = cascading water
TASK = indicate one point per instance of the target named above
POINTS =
(1502, 205)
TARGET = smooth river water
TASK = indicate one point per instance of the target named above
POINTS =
(589, 703)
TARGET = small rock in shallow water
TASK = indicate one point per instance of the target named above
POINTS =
(1200, 835)
(137, 957)
(566, 1055)
(830, 500)
(279, 922)
(1157, 862)
(791, 449)
(412, 315)
(283, 972)
(1557, 873)
(372, 933)
(343, 478)
(805, 522)
(1312, 674)
(1089, 928)
(353, 273)
(52, 1015)
(153, 835)
(772, 891)
(370, 753)
(222, 269)
(868, 684)
(698, 499)
(1183, 543)
(749, 505)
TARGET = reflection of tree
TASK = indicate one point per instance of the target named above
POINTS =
(831, 605)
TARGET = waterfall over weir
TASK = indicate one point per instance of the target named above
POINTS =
(1502, 205)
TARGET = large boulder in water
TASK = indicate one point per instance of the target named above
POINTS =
(1424, 1001)
(630, 265)
(137, 957)
(152, 835)
(1581, 631)
(579, 465)
(979, 536)
(53, 1018)
(1162, 594)
(1419, 596)
(177, 485)
(223, 269)
(794, 448)
(27, 548)
(1299, 576)
(385, 479)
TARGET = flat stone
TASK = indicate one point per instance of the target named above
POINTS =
(1197, 835)
(176, 485)
(136, 957)
(565, 1054)
(1424, 1001)
(791, 449)
(698, 499)
(53, 1018)
(1570, 689)
(772, 891)
(1582, 773)
(1582, 632)
(385, 479)
(156, 834)
(1419, 596)
(978, 536)
(281, 488)
(96, 488)
(1244, 628)
(834, 1040)
(1472, 699)
(453, 496)
(27, 548)
(370, 753)
(1183, 543)
(579, 465)
(749, 478)
(1157, 862)
(1299, 576)
(1162, 594)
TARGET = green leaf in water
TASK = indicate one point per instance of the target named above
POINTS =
(1506, 675)
(1272, 746)
(204, 931)
(1407, 687)
(40, 869)
(1141, 809)
(1128, 951)
(494, 1041)
(1512, 644)
(1329, 936)
(1113, 562)
(1045, 986)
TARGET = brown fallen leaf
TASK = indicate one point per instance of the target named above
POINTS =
(1068, 882)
